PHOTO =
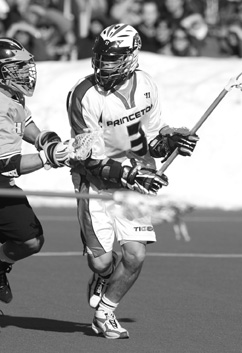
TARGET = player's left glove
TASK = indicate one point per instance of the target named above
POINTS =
(144, 180)
(171, 138)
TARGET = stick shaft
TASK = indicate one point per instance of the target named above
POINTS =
(195, 128)
(71, 195)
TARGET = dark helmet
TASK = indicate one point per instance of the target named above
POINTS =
(17, 67)
(115, 54)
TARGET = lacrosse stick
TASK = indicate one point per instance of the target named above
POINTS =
(233, 82)
(129, 204)
(83, 144)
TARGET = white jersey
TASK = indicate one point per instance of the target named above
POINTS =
(128, 117)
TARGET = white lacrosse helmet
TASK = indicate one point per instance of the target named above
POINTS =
(17, 67)
(115, 54)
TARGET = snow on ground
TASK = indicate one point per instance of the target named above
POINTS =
(212, 177)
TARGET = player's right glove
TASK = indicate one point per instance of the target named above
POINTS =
(60, 154)
(56, 153)
(144, 180)
(44, 138)
(171, 138)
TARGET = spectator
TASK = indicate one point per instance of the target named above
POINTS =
(163, 36)
(55, 29)
(2, 29)
(148, 26)
(126, 11)
(179, 14)
(182, 44)
(85, 45)
(14, 12)
(4, 9)
(30, 38)
(231, 42)
(230, 34)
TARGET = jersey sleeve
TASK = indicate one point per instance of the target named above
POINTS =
(83, 113)
(28, 118)
(156, 121)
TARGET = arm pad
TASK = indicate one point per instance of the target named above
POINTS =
(106, 169)
(10, 167)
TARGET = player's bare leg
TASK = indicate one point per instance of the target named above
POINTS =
(102, 268)
(128, 270)
(124, 276)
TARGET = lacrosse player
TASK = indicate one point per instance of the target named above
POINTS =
(121, 102)
(21, 233)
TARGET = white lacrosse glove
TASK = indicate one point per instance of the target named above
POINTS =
(67, 153)
(60, 154)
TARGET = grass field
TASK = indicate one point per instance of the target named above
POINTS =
(187, 299)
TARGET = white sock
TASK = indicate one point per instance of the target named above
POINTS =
(106, 304)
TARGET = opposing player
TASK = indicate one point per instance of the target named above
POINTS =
(21, 233)
(122, 103)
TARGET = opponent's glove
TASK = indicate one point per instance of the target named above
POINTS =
(60, 154)
(144, 180)
(45, 137)
(171, 138)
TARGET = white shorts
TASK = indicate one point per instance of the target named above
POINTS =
(101, 225)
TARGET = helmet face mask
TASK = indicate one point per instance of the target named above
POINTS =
(115, 55)
(17, 67)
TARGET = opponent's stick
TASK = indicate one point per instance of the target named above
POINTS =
(70, 195)
(233, 82)
(130, 204)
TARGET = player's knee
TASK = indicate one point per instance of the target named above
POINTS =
(33, 246)
(133, 257)
(100, 264)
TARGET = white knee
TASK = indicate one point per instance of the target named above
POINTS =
(34, 245)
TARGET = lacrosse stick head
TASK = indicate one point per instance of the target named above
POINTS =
(158, 209)
(83, 144)
(135, 205)
(235, 82)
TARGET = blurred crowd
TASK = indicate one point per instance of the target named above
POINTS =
(66, 29)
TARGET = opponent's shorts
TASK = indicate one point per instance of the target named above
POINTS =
(17, 219)
(101, 225)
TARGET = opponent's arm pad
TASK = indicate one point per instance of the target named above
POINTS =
(46, 137)
(10, 167)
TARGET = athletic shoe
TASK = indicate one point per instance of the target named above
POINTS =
(5, 290)
(105, 323)
(98, 285)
